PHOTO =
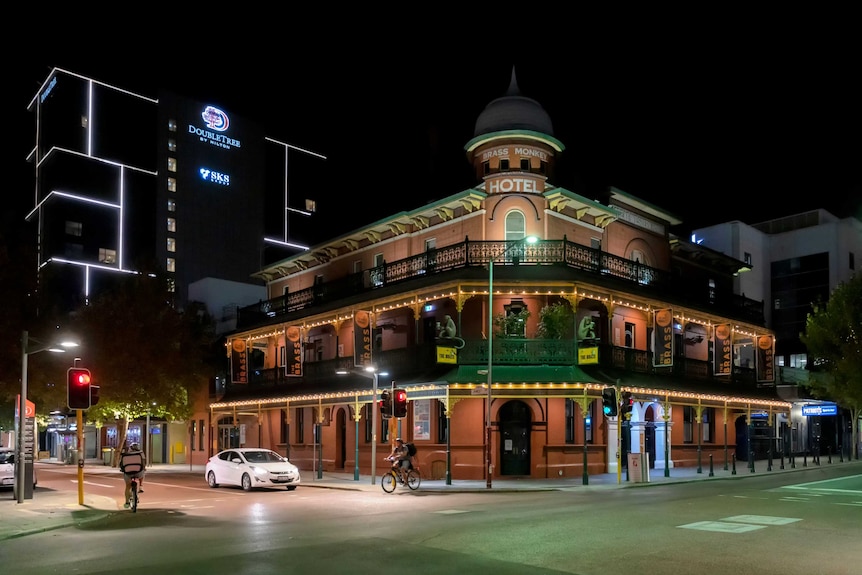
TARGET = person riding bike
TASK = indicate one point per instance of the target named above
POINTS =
(400, 458)
(133, 463)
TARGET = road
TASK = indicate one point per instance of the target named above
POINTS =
(808, 522)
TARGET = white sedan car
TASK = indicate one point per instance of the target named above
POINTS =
(250, 467)
(7, 468)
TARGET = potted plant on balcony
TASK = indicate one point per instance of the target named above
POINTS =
(555, 321)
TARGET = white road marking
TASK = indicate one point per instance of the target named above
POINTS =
(721, 527)
(450, 511)
(761, 519)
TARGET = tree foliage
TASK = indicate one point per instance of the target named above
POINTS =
(147, 357)
(556, 321)
(833, 336)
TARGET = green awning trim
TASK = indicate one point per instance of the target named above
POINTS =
(469, 374)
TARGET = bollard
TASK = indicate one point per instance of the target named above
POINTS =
(792, 460)
(751, 457)
(710, 466)
(805, 458)
(734, 465)
(782, 460)
(840, 454)
(829, 454)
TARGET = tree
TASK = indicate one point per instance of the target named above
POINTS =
(147, 357)
(556, 321)
(833, 336)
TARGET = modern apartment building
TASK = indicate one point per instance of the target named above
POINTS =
(796, 261)
(129, 183)
(505, 346)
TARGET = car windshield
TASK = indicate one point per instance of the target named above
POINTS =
(262, 456)
(7, 457)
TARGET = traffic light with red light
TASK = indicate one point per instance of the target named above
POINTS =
(626, 403)
(399, 403)
(609, 402)
(386, 404)
(78, 388)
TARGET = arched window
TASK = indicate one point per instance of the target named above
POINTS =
(516, 225)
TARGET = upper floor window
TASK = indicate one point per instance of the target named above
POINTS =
(74, 228)
(172, 184)
(172, 145)
(107, 256)
(525, 164)
(504, 165)
(172, 164)
(747, 259)
(171, 265)
(172, 244)
(172, 224)
(172, 125)
(516, 226)
(172, 206)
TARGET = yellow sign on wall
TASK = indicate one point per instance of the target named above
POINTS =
(447, 355)
(587, 355)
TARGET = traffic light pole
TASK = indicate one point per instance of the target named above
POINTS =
(79, 424)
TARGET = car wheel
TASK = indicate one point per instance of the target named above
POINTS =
(211, 479)
(291, 487)
(246, 482)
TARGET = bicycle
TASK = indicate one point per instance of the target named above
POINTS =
(392, 478)
(133, 499)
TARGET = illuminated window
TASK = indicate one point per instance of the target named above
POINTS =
(172, 206)
(172, 245)
(107, 256)
(172, 145)
(172, 125)
(172, 224)
(172, 184)
(516, 226)
(172, 165)
(172, 285)
(310, 206)
(171, 265)
(74, 229)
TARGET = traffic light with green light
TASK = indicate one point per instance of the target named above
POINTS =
(609, 402)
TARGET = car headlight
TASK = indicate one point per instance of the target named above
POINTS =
(258, 470)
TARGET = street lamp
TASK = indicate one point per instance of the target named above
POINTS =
(529, 240)
(370, 373)
(20, 459)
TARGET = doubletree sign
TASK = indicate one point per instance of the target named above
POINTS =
(820, 409)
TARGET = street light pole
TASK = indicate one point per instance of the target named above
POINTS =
(488, 460)
(20, 462)
(374, 417)
(20, 458)
(490, 368)
(370, 373)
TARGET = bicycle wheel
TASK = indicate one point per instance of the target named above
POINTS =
(388, 482)
(413, 479)
(134, 501)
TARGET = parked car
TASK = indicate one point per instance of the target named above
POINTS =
(7, 468)
(250, 467)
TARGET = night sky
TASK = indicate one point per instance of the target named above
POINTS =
(744, 122)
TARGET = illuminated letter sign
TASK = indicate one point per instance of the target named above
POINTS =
(722, 349)
(662, 334)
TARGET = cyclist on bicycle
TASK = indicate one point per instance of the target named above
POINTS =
(133, 463)
(400, 458)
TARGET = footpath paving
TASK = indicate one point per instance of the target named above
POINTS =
(49, 509)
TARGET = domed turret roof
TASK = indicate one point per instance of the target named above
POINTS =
(513, 112)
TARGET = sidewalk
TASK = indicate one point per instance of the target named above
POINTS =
(50, 509)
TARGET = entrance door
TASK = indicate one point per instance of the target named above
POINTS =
(514, 448)
(228, 434)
